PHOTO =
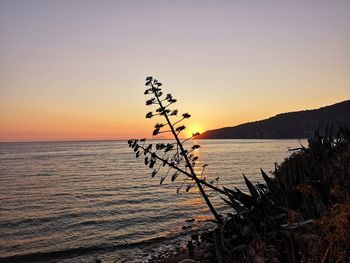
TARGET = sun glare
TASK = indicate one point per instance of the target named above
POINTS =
(193, 128)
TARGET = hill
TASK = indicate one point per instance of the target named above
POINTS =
(292, 125)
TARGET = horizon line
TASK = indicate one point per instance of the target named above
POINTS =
(83, 140)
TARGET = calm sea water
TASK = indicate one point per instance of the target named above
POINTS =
(77, 201)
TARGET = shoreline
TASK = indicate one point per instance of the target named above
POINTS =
(198, 251)
(171, 248)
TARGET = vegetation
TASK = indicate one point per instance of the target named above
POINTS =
(301, 124)
(299, 214)
(174, 157)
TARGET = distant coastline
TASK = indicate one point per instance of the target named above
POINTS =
(292, 125)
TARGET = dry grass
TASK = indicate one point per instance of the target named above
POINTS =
(333, 243)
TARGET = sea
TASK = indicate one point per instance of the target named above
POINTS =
(87, 200)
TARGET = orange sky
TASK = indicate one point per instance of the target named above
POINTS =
(75, 70)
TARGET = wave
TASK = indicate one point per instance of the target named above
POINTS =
(71, 196)
(53, 256)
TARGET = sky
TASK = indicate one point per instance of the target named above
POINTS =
(75, 70)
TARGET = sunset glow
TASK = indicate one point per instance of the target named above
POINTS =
(75, 70)
(174, 131)
(194, 128)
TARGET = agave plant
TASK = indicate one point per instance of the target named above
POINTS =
(309, 176)
(174, 158)
(268, 220)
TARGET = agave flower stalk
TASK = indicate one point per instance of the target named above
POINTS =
(181, 156)
(172, 165)
(184, 154)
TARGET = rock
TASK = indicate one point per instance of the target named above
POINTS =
(190, 220)
(187, 261)
(195, 237)
(190, 248)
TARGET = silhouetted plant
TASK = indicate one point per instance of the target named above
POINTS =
(173, 157)
(269, 219)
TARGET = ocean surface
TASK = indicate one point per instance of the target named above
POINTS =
(79, 201)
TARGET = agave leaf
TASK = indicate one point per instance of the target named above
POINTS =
(254, 193)
(235, 205)
(272, 186)
(246, 200)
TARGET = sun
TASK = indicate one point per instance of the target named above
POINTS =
(193, 128)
